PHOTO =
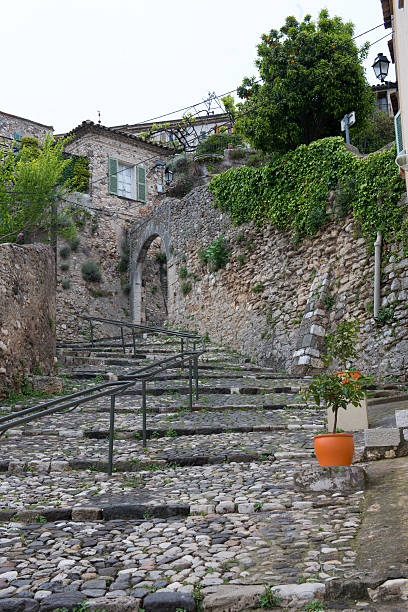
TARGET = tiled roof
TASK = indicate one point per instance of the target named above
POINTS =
(89, 126)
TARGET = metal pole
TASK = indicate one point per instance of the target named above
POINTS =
(196, 375)
(182, 353)
(92, 334)
(346, 123)
(123, 340)
(190, 384)
(144, 412)
(134, 342)
(111, 434)
(377, 275)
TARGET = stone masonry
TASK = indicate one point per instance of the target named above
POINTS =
(27, 313)
(11, 125)
(107, 221)
(275, 300)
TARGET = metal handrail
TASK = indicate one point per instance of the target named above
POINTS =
(112, 388)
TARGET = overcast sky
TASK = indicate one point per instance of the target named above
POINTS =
(62, 61)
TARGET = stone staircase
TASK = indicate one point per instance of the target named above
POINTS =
(208, 514)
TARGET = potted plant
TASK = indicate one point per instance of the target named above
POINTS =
(335, 392)
(338, 390)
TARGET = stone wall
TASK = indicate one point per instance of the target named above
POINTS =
(27, 313)
(276, 300)
(11, 125)
(103, 234)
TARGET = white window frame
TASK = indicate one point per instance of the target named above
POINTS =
(133, 188)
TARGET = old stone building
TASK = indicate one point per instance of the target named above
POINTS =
(14, 128)
(125, 182)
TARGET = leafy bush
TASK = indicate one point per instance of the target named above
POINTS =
(76, 173)
(65, 252)
(385, 315)
(217, 143)
(237, 154)
(292, 190)
(90, 271)
(66, 283)
(375, 134)
(64, 267)
(183, 272)
(186, 288)
(269, 599)
(217, 254)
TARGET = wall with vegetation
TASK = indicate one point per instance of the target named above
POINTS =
(27, 314)
(273, 297)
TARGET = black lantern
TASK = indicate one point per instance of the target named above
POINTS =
(380, 67)
(168, 175)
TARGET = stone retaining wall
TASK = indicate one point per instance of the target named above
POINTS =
(27, 313)
(275, 300)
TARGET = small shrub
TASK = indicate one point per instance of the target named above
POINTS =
(385, 315)
(99, 293)
(202, 256)
(65, 252)
(153, 289)
(64, 267)
(255, 160)
(90, 271)
(186, 288)
(344, 195)
(216, 143)
(328, 301)
(218, 253)
(241, 259)
(258, 288)
(66, 283)
(74, 244)
(183, 272)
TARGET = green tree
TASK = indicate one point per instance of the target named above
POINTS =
(28, 179)
(311, 74)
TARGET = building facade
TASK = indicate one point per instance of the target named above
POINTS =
(14, 128)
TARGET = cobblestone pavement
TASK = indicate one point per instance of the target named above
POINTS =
(232, 517)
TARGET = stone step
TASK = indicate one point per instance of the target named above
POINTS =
(388, 399)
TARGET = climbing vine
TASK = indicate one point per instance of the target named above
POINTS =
(292, 190)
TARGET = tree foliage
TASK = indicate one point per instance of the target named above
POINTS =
(376, 133)
(311, 74)
(28, 179)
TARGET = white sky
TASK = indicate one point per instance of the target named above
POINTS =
(63, 60)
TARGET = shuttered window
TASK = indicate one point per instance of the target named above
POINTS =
(127, 181)
(398, 131)
(141, 184)
(113, 175)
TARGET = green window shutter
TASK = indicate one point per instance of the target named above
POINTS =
(398, 131)
(141, 184)
(113, 175)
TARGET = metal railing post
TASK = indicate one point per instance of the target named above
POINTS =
(134, 342)
(123, 340)
(144, 412)
(182, 353)
(92, 334)
(190, 384)
(196, 376)
(111, 434)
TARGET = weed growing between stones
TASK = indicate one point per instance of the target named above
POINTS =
(315, 606)
(269, 599)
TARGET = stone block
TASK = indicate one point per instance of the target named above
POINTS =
(390, 590)
(67, 600)
(121, 603)
(22, 604)
(246, 508)
(318, 479)
(317, 330)
(354, 418)
(60, 466)
(225, 507)
(382, 437)
(401, 418)
(202, 509)
(46, 384)
(297, 595)
(169, 601)
(231, 598)
(15, 466)
(305, 360)
(83, 513)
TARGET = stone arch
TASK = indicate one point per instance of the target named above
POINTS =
(141, 240)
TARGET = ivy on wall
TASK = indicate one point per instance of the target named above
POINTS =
(292, 190)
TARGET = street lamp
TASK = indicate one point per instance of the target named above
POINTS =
(168, 175)
(380, 67)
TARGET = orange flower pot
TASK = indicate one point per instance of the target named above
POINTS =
(334, 449)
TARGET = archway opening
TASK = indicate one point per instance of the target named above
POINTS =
(153, 307)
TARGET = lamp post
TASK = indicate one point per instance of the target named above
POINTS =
(168, 175)
(380, 67)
